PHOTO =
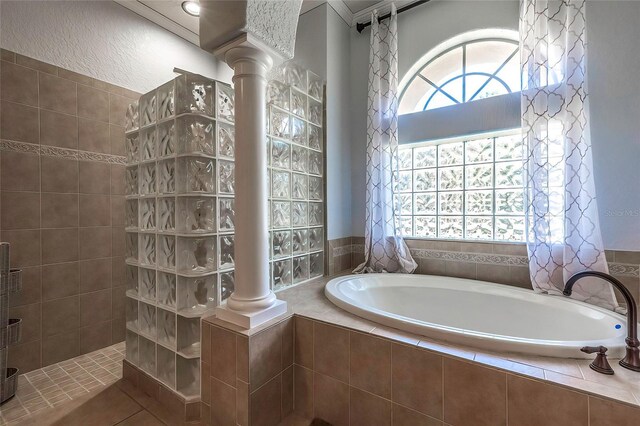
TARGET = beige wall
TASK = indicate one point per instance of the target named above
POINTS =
(62, 208)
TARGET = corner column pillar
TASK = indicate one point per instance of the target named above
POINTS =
(252, 303)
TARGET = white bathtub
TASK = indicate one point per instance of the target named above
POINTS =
(480, 314)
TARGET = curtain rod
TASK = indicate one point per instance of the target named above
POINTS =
(362, 26)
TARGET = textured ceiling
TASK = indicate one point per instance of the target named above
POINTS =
(356, 6)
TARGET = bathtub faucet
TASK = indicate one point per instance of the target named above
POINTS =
(631, 360)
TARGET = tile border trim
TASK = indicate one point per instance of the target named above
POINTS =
(341, 251)
(624, 269)
(53, 151)
(490, 259)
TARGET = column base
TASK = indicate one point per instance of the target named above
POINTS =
(253, 319)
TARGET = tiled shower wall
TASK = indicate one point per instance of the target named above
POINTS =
(504, 263)
(62, 207)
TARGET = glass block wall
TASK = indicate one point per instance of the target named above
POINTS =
(172, 138)
(180, 210)
(296, 169)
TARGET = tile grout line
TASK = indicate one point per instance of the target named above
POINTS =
(443, 379)
(40, 222)
(83, 365)
(506, 397)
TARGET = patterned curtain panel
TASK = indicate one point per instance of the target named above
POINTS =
(385, 250)
(563, 231)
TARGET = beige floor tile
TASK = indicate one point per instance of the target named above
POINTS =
(108, 406)
(142, 418)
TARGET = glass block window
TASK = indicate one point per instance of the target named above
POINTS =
(475, 69)
(470, 189)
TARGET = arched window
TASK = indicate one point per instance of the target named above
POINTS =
(461, 178)
(468, 70)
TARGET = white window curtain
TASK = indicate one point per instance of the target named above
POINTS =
(385, 249)
(563, 231)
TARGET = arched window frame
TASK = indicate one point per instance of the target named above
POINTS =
(460, 41)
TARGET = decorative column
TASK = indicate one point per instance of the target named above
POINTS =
(252, 302)
(249, 37)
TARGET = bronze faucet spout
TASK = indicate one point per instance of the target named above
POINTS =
(631, 360)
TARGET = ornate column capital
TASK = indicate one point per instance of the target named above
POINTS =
(269, 25)
(247, 57)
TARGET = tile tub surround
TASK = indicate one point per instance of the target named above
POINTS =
(350, 371)
(247, 376)
(336, 352)
(502, 263)
(62, 207)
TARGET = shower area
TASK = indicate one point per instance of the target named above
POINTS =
(179, 210)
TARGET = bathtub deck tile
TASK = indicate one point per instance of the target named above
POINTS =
(397, 335)
(313, 309)
(565, 366)
(622, 379)
(498, 361)
(591, 387)
(456, 351)
(344, 319)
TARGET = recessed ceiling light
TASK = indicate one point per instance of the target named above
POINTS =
(191, 7)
